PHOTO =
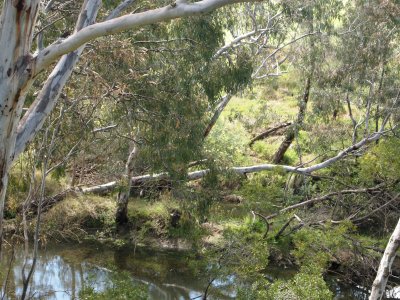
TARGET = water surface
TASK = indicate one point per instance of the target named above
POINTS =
(62, 271)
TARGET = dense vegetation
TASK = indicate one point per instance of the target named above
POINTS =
(148, 141)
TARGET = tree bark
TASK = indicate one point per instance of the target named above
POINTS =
(121, 216)
(291, 133)
(385, 267)
(47, 98)
(16, 33)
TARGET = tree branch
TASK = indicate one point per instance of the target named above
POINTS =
(119, 9)
(46, 100)
(220, 107)
(137, 180)
(176, 10)
(268, 132)
(379, 285)
(326, 197)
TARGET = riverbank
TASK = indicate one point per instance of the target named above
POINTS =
(161, 224)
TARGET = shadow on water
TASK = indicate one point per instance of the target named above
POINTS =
(63, 270)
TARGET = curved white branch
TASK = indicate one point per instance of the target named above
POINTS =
(46, 100)
(237, 40)
(176, 10)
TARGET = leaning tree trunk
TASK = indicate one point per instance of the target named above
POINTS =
(379, 285)
(16, 33)
(291, 133)
(220, 108)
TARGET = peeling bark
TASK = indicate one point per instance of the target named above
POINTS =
(45, 102)
(16, 32)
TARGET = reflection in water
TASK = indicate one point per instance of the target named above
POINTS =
(62, 271)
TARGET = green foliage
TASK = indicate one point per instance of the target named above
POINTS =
(152, 219)
(307, 284)
(264, 149)
(58, 173)
(120, 287)
(243, 252)
(73, 217)
(227, 142)
(314, 246)
(382, 162)
(263, 190)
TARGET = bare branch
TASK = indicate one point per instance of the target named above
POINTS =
(255, 74)
(102, 129)
(374, 189)
(244, 170)
(120, 9)
(268, 132)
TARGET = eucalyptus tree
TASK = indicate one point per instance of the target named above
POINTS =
(163, 97)
(22, 63)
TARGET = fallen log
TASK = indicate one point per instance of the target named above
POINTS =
(138, 180)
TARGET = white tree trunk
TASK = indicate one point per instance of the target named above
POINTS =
(385, 267)
(17, 23)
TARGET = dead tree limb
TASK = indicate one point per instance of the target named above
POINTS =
(280, 232)
(137, 180)
(268, 132)
(374, 189)
(264, 218)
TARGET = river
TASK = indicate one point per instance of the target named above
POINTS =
(62, 271)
